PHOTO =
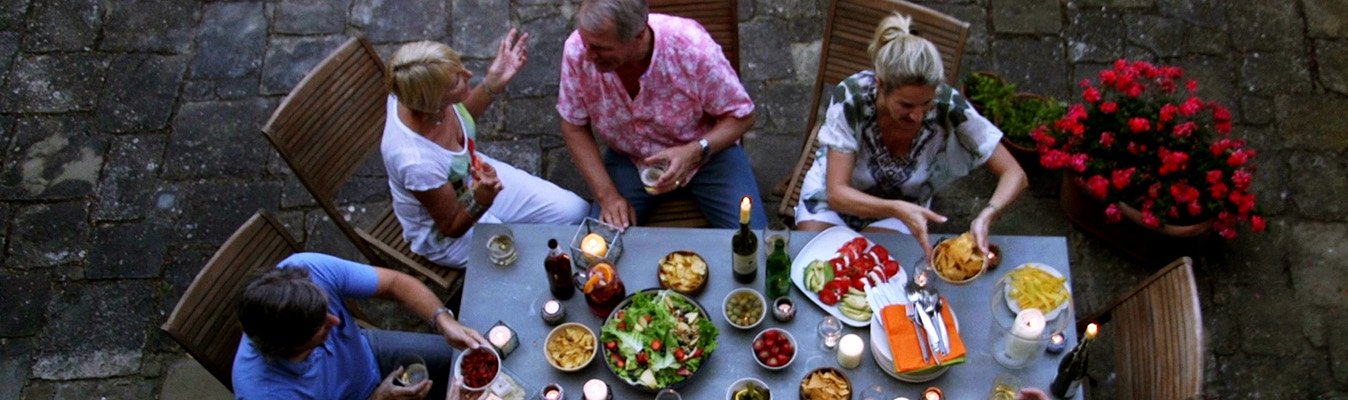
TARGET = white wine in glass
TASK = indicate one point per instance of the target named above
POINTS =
(414, 371)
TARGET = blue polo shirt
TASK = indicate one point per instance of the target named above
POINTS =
(342, 368)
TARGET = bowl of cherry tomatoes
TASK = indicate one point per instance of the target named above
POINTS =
(774, 348)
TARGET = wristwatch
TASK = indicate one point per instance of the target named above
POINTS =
(706, 149)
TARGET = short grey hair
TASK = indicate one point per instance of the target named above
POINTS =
(902, 58)
(628, 16)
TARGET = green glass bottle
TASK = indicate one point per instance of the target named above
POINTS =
(778, 271)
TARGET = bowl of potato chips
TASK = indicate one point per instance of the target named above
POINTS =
(825, 384)
(1034, 285)
(958, 260)
(683, 271)
(570, 346)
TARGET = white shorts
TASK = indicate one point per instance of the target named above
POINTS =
(831, 217)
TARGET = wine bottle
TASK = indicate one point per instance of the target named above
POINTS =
(1072, 369)
(744, 261)
(558, 266)
(778, 272)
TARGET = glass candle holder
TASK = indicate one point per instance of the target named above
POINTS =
(1021, 335)
(612, 246)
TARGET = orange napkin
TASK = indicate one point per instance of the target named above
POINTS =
(903, 342)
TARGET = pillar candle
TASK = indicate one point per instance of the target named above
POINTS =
(849, 351)
(1025, 334)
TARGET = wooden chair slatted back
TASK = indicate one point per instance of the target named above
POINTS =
(847, 34)
(1157, 328)
(205, 321)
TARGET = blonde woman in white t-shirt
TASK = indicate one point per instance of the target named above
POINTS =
(441, 185)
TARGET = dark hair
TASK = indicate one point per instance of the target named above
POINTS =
(281, 309)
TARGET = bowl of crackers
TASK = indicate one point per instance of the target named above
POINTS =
(958, 260)
(825, 384)
(571, 346)
(683, 271)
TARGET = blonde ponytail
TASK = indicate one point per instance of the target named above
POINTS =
(902, 58)
(419, 72)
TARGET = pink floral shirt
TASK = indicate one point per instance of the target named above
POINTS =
(687, 86)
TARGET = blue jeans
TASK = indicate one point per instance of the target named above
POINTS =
(388, 346)
(717, 188)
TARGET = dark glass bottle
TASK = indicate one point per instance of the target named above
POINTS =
(558, 265)
(778, 272)
(1072, 369)
(744, 261)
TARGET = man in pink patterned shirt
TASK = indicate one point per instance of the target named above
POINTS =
(659, 91)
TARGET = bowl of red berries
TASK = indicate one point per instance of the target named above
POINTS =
(774, 348)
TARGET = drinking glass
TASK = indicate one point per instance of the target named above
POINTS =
(501, 247)
(876, 392)
(774, 232)
(650, 174)
(1005, 387)
(414, 370)
(830, 331)
(606, 293)
(668, 394)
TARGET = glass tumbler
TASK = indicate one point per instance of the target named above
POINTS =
(501, 247)
(830, 331)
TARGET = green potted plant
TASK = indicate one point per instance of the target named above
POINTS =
(988, 93)
(1023, 113)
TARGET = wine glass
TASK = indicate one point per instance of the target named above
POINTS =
(414, 370)
(774, 232)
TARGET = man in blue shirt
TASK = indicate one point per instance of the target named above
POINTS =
(300, 341)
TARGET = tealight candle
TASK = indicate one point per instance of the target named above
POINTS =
(596, 389)
(1024, 338)
(1056, 343)
(784, 309)
(503, 338)
(552, 391)
(849, 351)
(553, 312)
(933, 393)
(594, 245)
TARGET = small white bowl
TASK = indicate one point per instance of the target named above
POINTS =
(739, 384)
(558, 330)
(458, 367)
(762, 312)
(795, 348)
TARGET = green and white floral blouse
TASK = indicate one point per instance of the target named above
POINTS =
(939, 156)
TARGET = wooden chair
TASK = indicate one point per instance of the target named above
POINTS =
(326, 128)
(205, 321)
(1157, 329)
(721, 19)
(847, 33)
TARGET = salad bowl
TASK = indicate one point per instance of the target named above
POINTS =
(657, 339)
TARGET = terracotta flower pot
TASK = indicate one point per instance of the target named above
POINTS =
(1130, 236)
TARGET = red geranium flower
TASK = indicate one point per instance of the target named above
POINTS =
(1142, 137)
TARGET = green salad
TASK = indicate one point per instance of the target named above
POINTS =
(659, 339)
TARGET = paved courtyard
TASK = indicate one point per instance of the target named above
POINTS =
(130, 149)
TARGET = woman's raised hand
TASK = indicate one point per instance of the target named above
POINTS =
(511, 54)
(486, 185)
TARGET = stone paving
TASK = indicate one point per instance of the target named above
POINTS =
(131, 149)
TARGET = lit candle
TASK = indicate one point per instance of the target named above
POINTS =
(745, 206)
(784, 310)
(849, 350)
(596, 389)
(552, 391)
(553, 312)
(1091, 330)
(502, 338)
(933, 393)
(1025, 333)
(1056, 343)
(594, 245)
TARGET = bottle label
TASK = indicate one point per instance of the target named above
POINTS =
(745, 264)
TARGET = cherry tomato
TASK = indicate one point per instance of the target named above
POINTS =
(891, 268)
(656, 345)
(678, 354)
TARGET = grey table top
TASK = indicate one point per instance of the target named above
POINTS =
(515, 293)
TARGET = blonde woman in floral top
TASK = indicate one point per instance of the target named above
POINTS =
(894, 136)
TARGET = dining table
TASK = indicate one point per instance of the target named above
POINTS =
(514, 294)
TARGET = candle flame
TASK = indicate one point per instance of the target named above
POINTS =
(1091, 330)
(745, 203)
